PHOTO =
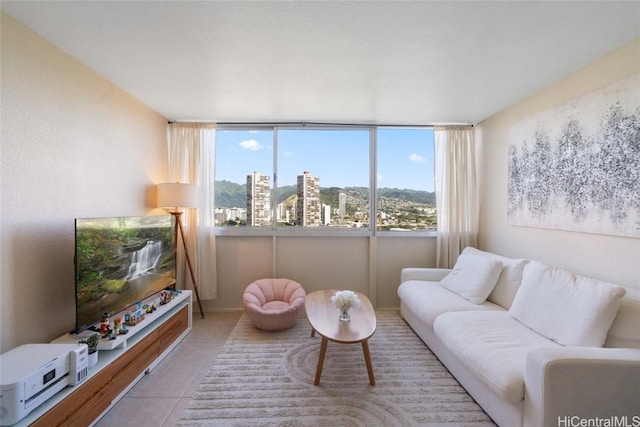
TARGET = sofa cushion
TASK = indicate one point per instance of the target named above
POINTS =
(509, 280)
(429, 300)
(473, 277)
(625, 329)
(569, 309)
(493, 346)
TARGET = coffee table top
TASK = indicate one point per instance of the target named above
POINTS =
(324, 318)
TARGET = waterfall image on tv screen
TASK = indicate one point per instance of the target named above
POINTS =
(120, 261)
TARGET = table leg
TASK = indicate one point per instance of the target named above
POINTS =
(313, 332)
(367, 359)
(323, 351)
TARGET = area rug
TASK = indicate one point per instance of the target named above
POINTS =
(266, 379)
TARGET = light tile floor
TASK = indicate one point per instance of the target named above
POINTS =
(161, 396)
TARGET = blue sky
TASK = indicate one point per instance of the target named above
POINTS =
(339, 157)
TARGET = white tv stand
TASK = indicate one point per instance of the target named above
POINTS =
(121, 363)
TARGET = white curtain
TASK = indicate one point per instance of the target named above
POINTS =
(191, 160)
(456, 192)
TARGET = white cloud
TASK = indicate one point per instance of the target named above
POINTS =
(251, 144)
(288, 153)
(416, 158)
(380, 177)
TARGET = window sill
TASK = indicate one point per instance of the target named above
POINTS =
(317, 232)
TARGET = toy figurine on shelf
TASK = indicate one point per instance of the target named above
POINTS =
(167, 295)
(117, 325)
(139, 312)
(163, 300)
(150, 308)
(130, 318)
(104, 325)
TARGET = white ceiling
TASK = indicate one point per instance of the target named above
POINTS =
(385, 62)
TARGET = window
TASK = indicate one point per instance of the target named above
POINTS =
(316, 170)
(243, 171)
(323, 179)
(405, 179)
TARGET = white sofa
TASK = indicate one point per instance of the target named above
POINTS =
(533, 345)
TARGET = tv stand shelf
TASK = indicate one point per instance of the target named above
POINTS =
(121, 363)
(121, 341)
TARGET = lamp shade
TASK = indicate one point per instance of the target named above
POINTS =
(176, 195)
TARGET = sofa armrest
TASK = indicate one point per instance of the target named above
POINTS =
(564, 385)
(427, 274)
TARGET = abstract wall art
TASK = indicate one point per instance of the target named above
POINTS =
(576, 166)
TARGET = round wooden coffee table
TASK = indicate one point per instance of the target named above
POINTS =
(323, 316)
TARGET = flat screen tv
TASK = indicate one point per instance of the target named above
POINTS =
(120, 261)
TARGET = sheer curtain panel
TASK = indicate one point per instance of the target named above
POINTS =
(456, 192)
(191, 160)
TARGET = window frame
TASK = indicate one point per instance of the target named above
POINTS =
(274, 230)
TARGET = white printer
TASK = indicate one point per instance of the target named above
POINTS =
(32, 373)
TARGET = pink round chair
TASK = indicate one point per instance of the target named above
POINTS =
(273, 304)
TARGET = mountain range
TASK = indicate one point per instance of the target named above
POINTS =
(229, 194)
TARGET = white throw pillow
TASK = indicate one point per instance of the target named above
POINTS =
(473, 277)
(509, 280)
(625, 329)
(568, 309)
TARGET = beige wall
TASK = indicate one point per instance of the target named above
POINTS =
(364, 264)
(72, 145)
(616, 259)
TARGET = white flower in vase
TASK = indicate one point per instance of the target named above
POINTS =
(345, 301)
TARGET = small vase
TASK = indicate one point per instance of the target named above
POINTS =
(93, 359)
(345, 316)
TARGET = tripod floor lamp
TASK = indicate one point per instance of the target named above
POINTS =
(176, 196)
